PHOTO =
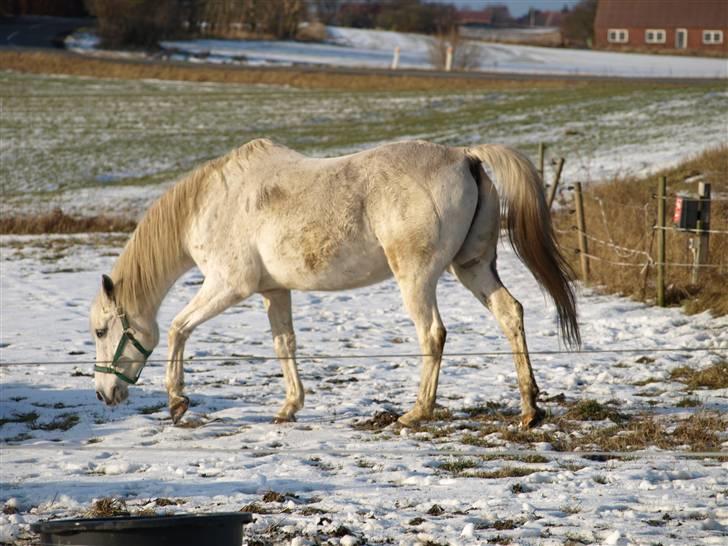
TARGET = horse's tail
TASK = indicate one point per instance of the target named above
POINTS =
(529, 228)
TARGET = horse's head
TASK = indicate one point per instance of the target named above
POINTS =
(123, 344)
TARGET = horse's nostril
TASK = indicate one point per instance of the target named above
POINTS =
(98, 395)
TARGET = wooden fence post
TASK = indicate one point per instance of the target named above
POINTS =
(395, 59)
(541, 151)
(581, 226)
(701, 252)
(552, 190)
(448, 59)
(661, 197)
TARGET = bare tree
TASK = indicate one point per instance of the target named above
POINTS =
(135, 23)
(327, 10)
(465, 53)
(577, 27)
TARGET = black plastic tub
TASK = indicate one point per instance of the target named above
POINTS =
(221, 529)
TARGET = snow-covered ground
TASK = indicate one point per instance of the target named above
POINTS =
(338, 481)
(375, 49)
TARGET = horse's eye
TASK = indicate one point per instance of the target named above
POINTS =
(101, 332)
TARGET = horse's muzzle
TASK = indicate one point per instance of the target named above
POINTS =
(117, 396)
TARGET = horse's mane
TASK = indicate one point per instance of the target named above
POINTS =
(155, 254)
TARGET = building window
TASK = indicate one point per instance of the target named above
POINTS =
(618, 36)
(712, 36)
(655, 36)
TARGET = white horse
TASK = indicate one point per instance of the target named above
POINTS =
(266, 219)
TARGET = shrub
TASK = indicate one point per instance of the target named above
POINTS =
(135, 23)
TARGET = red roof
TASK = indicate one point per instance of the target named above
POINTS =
(662, 14)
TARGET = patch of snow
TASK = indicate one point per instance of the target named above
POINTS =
(351, 47)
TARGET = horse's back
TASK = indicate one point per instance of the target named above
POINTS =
(336, 223)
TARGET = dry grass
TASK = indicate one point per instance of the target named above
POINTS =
(107, 507)
(623, 212)
(699, 432)
(505, 472)
(652, 50)
(48, 62)
(573, 430)
(713, 377)
(591, 410)
(58, 221)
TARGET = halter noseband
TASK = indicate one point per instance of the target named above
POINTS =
(126, 336)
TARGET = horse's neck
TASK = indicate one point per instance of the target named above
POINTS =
(153, 259)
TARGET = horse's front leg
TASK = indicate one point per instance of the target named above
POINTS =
(174, 376)
(212, 299)
(278, 305)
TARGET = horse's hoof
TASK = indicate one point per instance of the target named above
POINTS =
(532, 419)
(178, 408)
(280, 419)
(412, 418)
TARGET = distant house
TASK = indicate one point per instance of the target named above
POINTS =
(694, 25)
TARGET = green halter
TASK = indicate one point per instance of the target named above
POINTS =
(126, 337)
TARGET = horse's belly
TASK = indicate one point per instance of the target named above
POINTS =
(298, 267)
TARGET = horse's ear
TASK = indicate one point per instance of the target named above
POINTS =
(108, 285)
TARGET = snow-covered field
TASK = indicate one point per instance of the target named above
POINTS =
(375, 49)
(93, 146)
(338, 483)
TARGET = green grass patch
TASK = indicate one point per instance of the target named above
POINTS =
(457, 466)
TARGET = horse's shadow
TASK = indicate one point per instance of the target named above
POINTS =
(40, 412)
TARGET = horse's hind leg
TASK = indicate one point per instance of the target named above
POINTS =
(421, 303)
(481, 278)
(278, 305)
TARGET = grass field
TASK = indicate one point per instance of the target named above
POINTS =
(61, 134)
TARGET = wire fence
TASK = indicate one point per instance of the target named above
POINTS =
(370, 356)
(627, 252)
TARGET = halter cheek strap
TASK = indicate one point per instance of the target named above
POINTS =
(126, 337)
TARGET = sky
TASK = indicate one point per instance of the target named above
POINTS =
(516, 7)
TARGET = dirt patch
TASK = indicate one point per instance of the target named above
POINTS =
(381, 419)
